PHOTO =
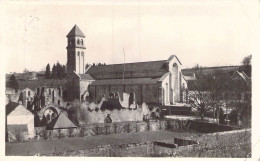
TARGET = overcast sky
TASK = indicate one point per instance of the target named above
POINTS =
(205, 32)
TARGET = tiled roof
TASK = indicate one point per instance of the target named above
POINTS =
(75, 31)
(126, 81)
(86, 77)
(140, 67)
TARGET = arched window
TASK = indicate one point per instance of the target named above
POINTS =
(38, 90)
(166, 92)
(81, 41)
(78, 41)
(59, 91)
(78, 53)
(82, 53)
(29, 93)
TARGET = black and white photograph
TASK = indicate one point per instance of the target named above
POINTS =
(136, 79)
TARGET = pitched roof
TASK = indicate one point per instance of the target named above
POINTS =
(19, 110)
(86, 77)
(140, 67)
(61, 122)
(126, 81)
(10, 107)
(173, 56)
(75, 31)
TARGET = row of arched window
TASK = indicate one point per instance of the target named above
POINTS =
(79, 42)
(82, 53)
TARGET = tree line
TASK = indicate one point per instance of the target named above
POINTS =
(58, 71)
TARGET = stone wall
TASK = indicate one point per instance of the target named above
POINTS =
(143, 93)
(224, 144)
(102, 129)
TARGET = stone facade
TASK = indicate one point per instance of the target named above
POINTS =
(158, 82)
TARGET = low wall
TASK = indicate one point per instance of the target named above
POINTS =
(121, 127)
(225, 144)
(104, 129)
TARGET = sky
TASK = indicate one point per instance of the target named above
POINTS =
(204, 32)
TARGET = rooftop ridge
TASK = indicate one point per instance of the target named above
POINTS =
(75, 31)
(129, 63)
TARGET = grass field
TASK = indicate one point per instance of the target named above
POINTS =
(76, 143)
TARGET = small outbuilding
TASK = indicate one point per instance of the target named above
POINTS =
(61, 122)
(19, 120)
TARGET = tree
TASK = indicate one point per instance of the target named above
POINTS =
(13, 82)
(206, 92)
(63, 71)
(25, 70)
(59, 70)
(48, 72)
(54, 71)
(247, 60)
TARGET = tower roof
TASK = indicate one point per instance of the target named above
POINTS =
(75, 31)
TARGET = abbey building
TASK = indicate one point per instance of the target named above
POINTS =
(154, 82)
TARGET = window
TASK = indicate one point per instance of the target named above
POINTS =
(81, 41)
(59, 91)
(49, 91)
(78, 53)
(166, 91)
(78, 41)
(29, 93)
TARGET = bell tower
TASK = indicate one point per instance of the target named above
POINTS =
(76, 51)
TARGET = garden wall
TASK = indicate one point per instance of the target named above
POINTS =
(224, 144)
(103, 129)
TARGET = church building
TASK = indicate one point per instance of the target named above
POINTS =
(153, 82)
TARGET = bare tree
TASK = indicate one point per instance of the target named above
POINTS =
(205, 93)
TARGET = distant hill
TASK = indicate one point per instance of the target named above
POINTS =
(34, 79)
